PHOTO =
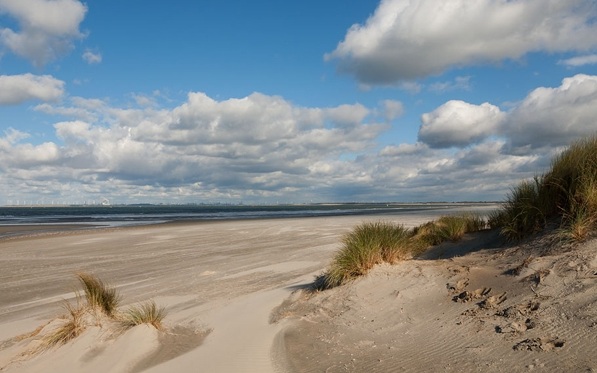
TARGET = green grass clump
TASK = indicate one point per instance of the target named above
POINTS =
(145, 313)
(99, 295)
(448, 228)
(567, 194)
(370, 244)
(365, 246)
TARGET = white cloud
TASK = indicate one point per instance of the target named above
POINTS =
(580, 61)
(92, 57)
(546, 118)
(457, 123)
(47, 28)
(551, 117)
(348, 115)
(15, 89)
(405, 40)
(259, 146)
(263, 148)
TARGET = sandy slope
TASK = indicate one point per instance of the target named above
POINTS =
(221, 281)
(482, 312)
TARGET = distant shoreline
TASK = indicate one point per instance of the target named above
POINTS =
(19, 230)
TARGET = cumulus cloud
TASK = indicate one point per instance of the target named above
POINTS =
(457, 123)
(92, 57)
(546, 118)
(263, 148)
(405, 40)
(257, 146)
(47, 28)
(551, 117)
(15, 89)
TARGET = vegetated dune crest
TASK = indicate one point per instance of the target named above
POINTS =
(498, 308)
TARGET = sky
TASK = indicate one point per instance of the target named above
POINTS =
(270, 101)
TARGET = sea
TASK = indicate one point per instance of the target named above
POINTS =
(144, 214)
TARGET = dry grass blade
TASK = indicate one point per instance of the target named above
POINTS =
(144, 313)
(99, 295)
(73, 325)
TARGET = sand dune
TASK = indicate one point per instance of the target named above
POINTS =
(472, 313)
(235, 304)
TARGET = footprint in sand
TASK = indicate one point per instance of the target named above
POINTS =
(493, 301)
(539, 344)
(459, 286)
(467, 296)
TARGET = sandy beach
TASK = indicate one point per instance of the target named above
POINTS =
(233, 293)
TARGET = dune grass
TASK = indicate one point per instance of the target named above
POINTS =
(365, 246)
(566, 195)
(144, 313)
(374, 243)
(99, 306)
(447, 228)
(73, 324)
(99, 295)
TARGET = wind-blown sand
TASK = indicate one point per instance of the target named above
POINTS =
(235, 304)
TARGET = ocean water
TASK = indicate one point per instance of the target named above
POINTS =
(119, 215)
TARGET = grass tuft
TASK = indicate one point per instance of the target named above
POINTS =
(73, 325)
(370, 244)
(365, 246)
(101, 305)
(99, 295)
(144, 313)
(566, 193)
(448, 228)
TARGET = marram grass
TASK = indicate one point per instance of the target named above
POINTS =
(448, 228)
(365, 246)
(370, 244)
(143, 313)
(72, 325)
(99, 295)
(101, 306)
(374, 243)
(565, 195)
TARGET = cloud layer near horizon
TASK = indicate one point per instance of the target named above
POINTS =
(263, 148)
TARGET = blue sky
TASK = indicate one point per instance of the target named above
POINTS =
(269, 101)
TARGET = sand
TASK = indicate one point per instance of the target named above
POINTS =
(236, 301)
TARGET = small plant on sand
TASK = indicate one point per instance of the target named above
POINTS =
(365, 246)
(99, 310)
(73, 324)
(144, 313)
(99, 295)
